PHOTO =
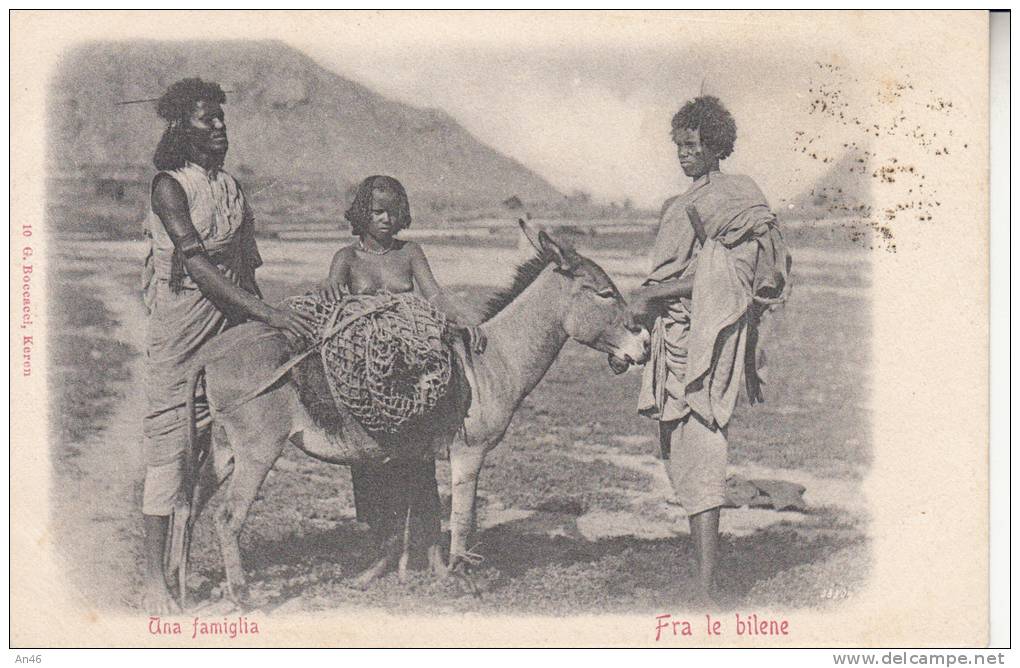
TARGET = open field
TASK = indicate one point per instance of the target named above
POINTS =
(573, 510)
(110, 205)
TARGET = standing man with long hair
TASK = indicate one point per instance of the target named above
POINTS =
(718, 263)
(199, 279)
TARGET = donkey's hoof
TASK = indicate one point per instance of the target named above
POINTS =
(437, 565)
(157, 600)
(463, 564)
(380, 568)
(364, 580)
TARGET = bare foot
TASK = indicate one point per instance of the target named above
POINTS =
(706, 597)
(380, 568)
(238, 595)
(220, 608)
(157, 600)
(463, 562)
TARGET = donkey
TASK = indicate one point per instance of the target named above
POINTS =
(557, 295)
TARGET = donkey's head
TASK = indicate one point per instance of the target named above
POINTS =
(595, 313)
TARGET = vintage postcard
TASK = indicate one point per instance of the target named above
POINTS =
(583, 329)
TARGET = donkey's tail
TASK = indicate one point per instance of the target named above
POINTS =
(192, 388)
(182, 520)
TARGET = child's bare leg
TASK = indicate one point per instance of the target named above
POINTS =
(428, 510)
(423, 531)
(381, 503)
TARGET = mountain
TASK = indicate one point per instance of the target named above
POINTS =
(288, 118)
(843, 190)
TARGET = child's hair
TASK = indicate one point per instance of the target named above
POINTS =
(360, 212)
(707, 114)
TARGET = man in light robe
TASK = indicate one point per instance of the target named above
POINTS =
(719, 262)
(199, 278)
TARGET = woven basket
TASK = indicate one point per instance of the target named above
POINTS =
(390, 363)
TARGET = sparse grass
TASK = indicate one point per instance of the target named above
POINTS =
(815, 415)
(301, 539)
(549, 481)
(85, 362)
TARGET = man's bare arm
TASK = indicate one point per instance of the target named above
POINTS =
(675, 289)
(646, 302)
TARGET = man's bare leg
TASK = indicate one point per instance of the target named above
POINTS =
(696, 455)
(705, 536)
(156, 598)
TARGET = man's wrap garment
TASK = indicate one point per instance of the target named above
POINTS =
(701, 347)
(181, 319)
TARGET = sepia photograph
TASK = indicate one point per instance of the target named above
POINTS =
(593, 329)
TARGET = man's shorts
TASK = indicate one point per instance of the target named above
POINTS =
(179, 325)
(695, 457)
(165, 443)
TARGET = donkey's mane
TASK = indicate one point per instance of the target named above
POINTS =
(524, 275)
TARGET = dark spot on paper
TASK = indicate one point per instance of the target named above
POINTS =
(896, 111)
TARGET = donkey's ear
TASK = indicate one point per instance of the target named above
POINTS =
(564, 259)
(531, 233)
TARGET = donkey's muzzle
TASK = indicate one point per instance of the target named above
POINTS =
(618, 365)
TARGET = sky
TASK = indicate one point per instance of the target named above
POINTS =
(589, 106)
(585, 98)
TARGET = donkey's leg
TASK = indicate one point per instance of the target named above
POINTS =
(254, 456)
(437, 565)
(465, 466)
(208, 483)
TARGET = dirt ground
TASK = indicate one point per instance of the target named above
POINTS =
(574, 507)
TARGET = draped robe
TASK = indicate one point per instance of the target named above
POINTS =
(181, 318)
(704, 346)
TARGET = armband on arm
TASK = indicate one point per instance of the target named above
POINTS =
(185, 248)
(190, 245)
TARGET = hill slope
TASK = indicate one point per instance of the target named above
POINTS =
(289, 119)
